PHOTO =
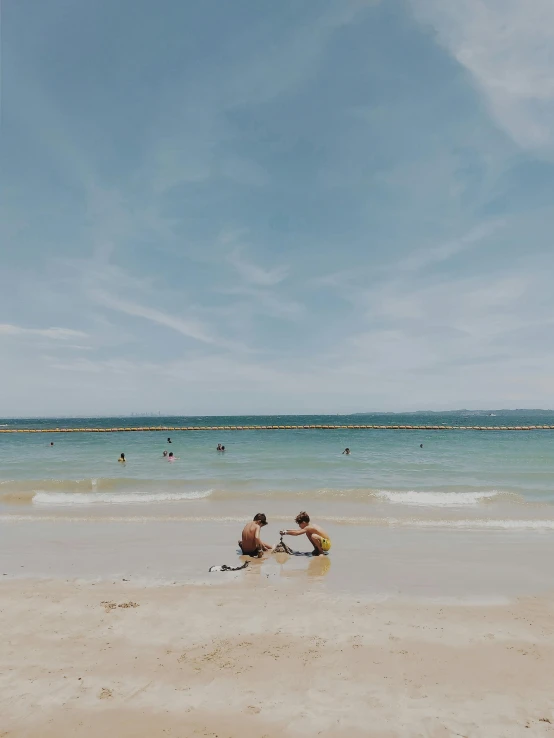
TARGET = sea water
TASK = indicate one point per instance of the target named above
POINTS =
(430, 513)
(482, 479)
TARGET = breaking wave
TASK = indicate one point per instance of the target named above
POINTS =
(441, 499)
(115, 498)
(130, 491)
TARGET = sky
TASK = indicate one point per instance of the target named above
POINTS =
(276, 207)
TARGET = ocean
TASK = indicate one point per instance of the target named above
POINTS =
(459, 478)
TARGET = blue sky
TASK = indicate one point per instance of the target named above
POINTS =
(259, 206)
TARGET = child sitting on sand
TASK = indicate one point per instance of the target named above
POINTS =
(317, 536)
(252, 544)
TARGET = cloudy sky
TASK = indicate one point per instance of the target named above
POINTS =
(259, 206)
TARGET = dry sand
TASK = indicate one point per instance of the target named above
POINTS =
(246, 658)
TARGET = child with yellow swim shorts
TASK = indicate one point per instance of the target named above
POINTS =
(316, 535)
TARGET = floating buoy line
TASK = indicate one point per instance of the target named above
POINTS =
(165, 428)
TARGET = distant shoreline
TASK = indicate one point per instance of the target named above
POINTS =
(138, 416)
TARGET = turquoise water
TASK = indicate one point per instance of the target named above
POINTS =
(455, 470)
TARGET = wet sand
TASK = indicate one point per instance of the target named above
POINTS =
(372, 561)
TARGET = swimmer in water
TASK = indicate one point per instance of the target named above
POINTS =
(346, 451)
(164, 453)
(218, 447)
(169, 440)
(171, 457)
(51, 443)
(122, 459)
(420, 445)
(251, 543)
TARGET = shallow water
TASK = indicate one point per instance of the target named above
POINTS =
(368, 561)
(460, 477)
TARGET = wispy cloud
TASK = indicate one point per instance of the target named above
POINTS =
(345, 280)
(264, 301)
(431, 228)
(189, 327)
(281, 68)
(508, 47)
(253, 273)
(426, 257)
(274, 61)
(56, 334)
(259, 285)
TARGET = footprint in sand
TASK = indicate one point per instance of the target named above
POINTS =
(105, 694)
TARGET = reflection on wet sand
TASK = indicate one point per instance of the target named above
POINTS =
(319, 566)
(283, 565)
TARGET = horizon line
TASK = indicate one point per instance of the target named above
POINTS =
(279, 415)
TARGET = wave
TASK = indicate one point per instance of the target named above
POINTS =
(442, 499)
(121, 498)
(101, 489)
(128, 490)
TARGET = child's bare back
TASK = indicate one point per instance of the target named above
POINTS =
(251, 543)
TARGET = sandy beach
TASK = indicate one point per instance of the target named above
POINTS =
(432, 616)
(248, 658)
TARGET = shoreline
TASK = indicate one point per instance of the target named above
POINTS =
(367, 561)
(114, 624)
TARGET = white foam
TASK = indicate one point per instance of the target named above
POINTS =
(464, 524)
(442, 499)
(115, 498)
(499, 524)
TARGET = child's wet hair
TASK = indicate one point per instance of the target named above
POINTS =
(260, 518)
(302, 517)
